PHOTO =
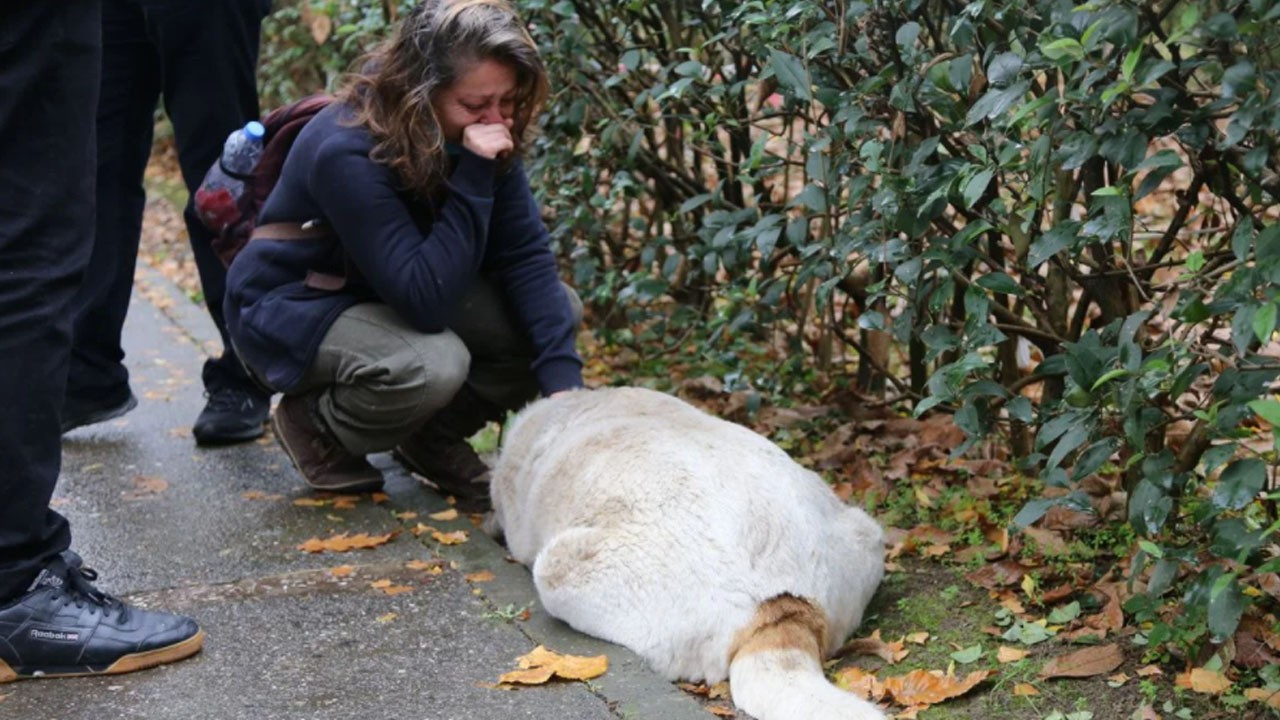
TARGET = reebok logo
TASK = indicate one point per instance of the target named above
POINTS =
(59, 635)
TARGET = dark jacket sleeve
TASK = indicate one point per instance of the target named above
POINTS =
(420, 276)
(521, 259)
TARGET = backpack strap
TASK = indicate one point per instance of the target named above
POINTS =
(294, 232)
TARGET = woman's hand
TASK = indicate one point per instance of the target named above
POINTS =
(489, 140)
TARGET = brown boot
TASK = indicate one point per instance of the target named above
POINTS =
(450, 463)
(323, 462)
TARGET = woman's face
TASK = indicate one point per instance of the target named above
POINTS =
(484, 94)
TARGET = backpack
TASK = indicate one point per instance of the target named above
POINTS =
(282, 127)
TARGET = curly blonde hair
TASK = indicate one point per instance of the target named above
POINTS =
(435, 44)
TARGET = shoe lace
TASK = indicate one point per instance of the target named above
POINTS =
(80, 588)
(230, 399)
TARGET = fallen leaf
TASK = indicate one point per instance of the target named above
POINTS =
(1146, 712)
(721, 711)
(344, 542)
(1149, 671)
(259, 495)
(457, 537)
(423, 565)
(1088, 662)
(1201, 680)
(341, 571)
(1269, 697)
(384, 619)
(406, 515)
(541, 664)
(1008, 654)
(917, 638)
(389, 588)
(379, 497)
(1025, 690)
(420, 529)
(1117, 680)
(891, 653)
(479, 577)
(345, 502)
(930, 687)
(311, 502)
(443, 515)
(860, 682)
(719, 691)
(145, 486)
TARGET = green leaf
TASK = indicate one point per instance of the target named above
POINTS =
(907, 34)
(1195, 261)
(1063, 48)
(791, 73)
(1131, 62)
(976, 186)
(1264, 322)
(999, 282)
(1151, 549)
(1108, 377)
(1059, 238)
(1239, 484)
(1065, 613)
(1268, 410)
(690, 68)
(695, 202)
(1003, 69)
(967, 655)
(1226, 606)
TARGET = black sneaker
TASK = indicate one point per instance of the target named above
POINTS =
(64, 626)
(232, 415)
(82, 411)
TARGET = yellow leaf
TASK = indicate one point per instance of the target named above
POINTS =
(1270, 697)
(1008, 654)
(1029, 586)
(860, 682)
(457, 537)
(311, 502)
(1203, 681)
(541, 664)
(479, 577)
(443, 515)
(345, 542)
(384, 619)
(1025, 690)
(917, 638)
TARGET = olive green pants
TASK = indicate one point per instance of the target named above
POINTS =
(379, 379)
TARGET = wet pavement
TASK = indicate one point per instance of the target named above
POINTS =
(409, 628)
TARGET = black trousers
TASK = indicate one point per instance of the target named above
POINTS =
(200, 56)
(49, 66)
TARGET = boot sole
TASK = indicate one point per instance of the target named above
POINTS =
(126, 664)
(99, 416)
(232, 438)
(362, 486)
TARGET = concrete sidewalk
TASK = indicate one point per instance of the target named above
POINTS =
(214, 532)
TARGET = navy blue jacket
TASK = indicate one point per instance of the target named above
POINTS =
(417, 261)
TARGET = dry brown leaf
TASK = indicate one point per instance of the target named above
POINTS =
(1087, 662)
(386, 586)
(1008, 654)
(422, 565)
(321, 26)
(1118, 679)
(1149, 671)
(457, 537)
(721, 711)
(344, 542)
(444, 515)
(719, 691)
(421, 529)
(1049, 541)
(406, 515)
(541, 664)
(860, 682)
(145, 486)
(379, 497)
(1025, 690)
(311, 502)
(930, 687)
(259, 495)
(699, 689)
(345, 502)
(891, 653)
(1207, 682)
(1271, 698)
(1146, 712)
(480, 577)
(341, 571)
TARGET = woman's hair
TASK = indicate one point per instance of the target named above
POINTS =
(435, 44)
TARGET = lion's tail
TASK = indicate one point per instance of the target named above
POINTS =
(776, 671)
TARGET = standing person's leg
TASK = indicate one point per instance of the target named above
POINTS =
(52, 620)
(209, 51)
(98, 383)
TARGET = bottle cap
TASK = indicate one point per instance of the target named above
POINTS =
(255, 130)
